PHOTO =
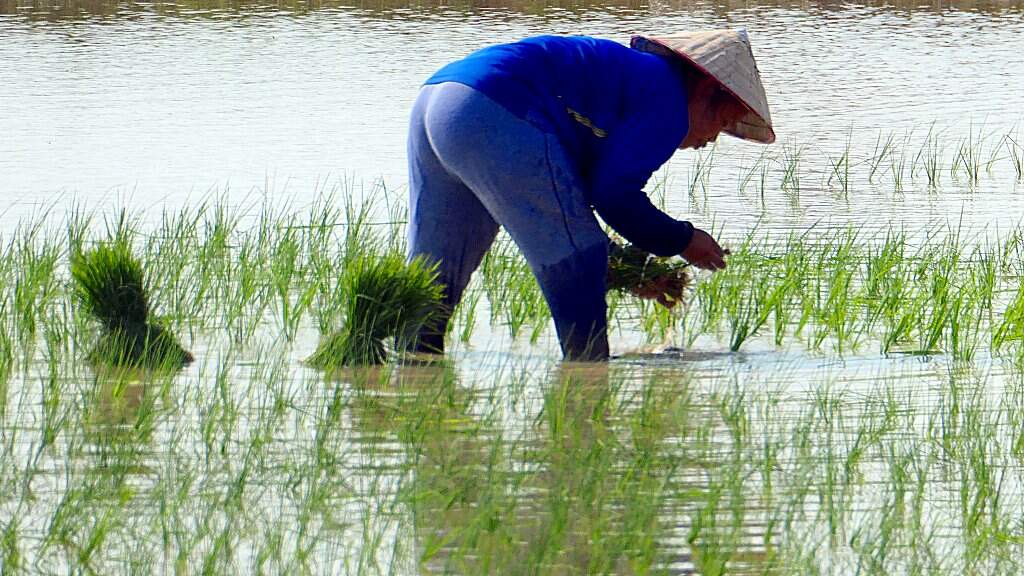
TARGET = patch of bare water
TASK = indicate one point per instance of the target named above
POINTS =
(159, 104)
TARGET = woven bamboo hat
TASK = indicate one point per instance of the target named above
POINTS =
(725, 55)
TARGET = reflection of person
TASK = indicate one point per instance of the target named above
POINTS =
(538, 134)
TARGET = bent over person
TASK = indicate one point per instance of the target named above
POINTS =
(539, 134)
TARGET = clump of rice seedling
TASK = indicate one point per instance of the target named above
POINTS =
(384, 297)
(108, 281)
(633, 270)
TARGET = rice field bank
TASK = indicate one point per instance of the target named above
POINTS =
(218, 390)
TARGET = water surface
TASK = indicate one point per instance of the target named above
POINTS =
(152, 104)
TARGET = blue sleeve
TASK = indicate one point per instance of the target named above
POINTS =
(627, 158)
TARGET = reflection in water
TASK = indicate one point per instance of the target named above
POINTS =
(605, 478)
(648, 471)
(123, 410)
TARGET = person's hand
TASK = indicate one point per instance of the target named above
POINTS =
(704, 252)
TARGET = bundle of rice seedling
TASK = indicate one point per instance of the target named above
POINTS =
(384, 298)
(644, 275)
(108, 281)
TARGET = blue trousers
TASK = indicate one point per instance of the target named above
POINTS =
(474, 166)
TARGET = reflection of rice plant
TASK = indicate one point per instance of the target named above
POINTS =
(108, 281)
(383, 297)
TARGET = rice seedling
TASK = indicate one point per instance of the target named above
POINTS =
(632, 270)
(881, 152)
(513, 293)
(968, 157)
(1016, 156)
(109, 285)
(930, 156)
(465, 315)
(36, 254)
(791, 156)
(841, 169)
(898, 165)
(701, 174)
(758, 167)
(967, 160)
(385, 297)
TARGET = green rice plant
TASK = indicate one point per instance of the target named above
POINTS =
(35, 256)
(750, 292)
(940, 297)
(6, 366)
(755, 168)
(10, 551)
(748, 315)
(512, 291)
(244, 293)
(177, 277)
(384, 297)
(841, 168)
(930, 157)
(464, 317)
(1016, 155)
(882, 151)
(836, 316)
(1010, 327)
(791, 156)
(287, 272)
(968, 158)
(523, 302)
(702, 166)
(787, 283)
(898, 168)
(109, 284)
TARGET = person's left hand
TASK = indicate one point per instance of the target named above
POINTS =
(704, 252)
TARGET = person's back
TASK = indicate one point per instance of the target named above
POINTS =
(578, 87)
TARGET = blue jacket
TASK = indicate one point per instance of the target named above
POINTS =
(619, 113)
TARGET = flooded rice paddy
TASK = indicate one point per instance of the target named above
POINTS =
(847, 397)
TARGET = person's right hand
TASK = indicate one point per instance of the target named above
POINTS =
(704, 252)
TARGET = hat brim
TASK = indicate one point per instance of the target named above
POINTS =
(750, 127)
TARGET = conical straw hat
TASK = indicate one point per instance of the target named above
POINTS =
(726, 56)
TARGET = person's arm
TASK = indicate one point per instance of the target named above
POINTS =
(616, 193)
(628, 157)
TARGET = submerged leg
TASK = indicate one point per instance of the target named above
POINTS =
(524, 179)
(574, 288)
(447, 223)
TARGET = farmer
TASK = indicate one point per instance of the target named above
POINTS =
(539, 134)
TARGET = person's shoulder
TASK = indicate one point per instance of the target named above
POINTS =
(661, 88)
(574, 40)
